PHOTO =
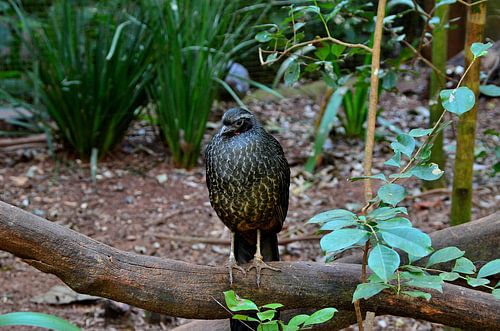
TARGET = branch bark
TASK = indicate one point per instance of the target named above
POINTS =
(188, 290)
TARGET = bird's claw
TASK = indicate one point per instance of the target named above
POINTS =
(259, 264)
(232, 264)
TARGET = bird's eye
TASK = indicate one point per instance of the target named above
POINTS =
(240, 122)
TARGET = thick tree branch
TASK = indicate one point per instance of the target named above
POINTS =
(187, 290)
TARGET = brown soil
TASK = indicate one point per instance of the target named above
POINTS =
(130, 209)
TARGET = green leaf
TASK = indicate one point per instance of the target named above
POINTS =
(244, 318)
(394, 161)
(306, 9)
(335, 214)
(385, 213)
(367, 290)
(292, 73)
(490, 268)
(444, 255)
(413, 269)
(445, 2)
(475, 282)
(426, 281)
(410, 240)
(404, 143)
(418, 294)
(396, 222)
(320, 316)
(480, 49)
(298, 320)
(341, 239)
(272, 306)
(235, 303)
(389, 81)
(383, 261)
(429, 171)
(268, 326)
(458, 101)
(380, 176)
(490, 90)
(337, 224)
(449, 276)
(271, 57)
(322, 52)
(496, 293)
(419, 132)
(464, 265)
(337, 49)
(391, 194)
(266, 315)
(37, 319)
(263, 37)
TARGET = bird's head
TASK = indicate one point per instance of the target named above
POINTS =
(236, 121)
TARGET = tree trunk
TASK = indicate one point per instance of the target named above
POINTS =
(439, 59)
(187, 290)
(461, 200)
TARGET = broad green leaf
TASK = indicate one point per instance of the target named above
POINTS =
(389, 81)
(418, 294)
(449, 276)
(244, 318)
(367, 290)
(266, 315)
(337, 49)
(396, 222)
(465, 266)
(320, 316)
(337, 224)
(322, 52)
(335, 214)
(410, 240)
(413, 269)
(458, 101)
(380, 176)
(490, 268)
(292, 73)
(298, 320)
(341, 239)
(391, 194)
(444, 255)
(496, 293)
(271, 57)
(426, 281)
(272, 306)
(419, 132)
(36, 319)
(263, 37)
(289, 327)
(235, 303)
(429, 171)
(268, 326)
(404, 143)
(305, 9)
(480, 49)
(490, 90)
(394, 161)
(406, 174)
(385, 213)
(475, 282)
(383, 261)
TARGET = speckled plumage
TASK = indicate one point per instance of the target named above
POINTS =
(248, 178)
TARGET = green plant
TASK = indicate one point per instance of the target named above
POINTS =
(195, 42)
(93, 69)
(265, 315)
(36, 319)
(385, 227)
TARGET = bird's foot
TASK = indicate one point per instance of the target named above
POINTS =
(259, 264)
(232, 264)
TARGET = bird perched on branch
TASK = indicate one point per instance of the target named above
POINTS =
(248, 179)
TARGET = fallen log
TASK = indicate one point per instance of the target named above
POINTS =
(187, 290)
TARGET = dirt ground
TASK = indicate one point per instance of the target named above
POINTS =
(140, 203)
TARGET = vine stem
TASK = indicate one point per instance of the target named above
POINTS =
(370, 134)
(309, 42)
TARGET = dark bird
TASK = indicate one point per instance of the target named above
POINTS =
(248, 179)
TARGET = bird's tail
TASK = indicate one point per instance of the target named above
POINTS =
(244, 250)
